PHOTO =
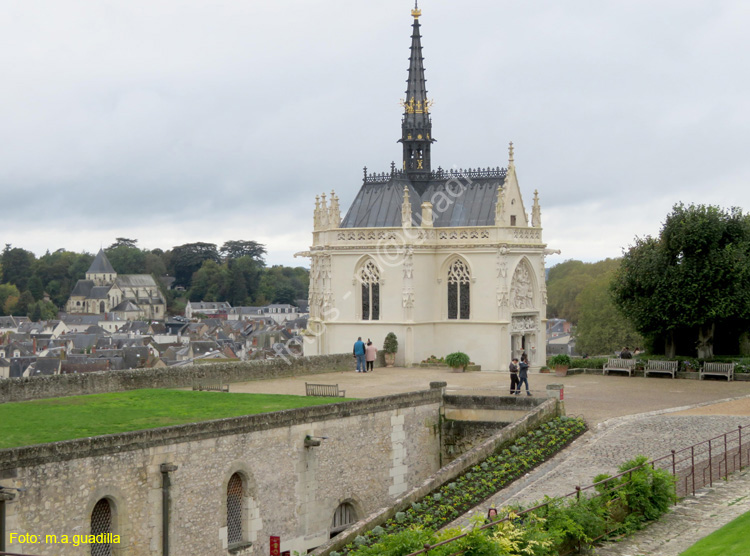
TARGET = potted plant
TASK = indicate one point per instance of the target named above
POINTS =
(544, 369)
(390, 347)
(458, 361)
(561, 363)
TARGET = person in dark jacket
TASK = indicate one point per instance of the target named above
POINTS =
(523, 376)
(513, 368)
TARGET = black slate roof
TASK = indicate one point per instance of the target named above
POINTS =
(101, 264)
(83, 288)
(459, 200)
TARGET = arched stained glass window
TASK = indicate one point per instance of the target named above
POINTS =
(369, 277)
(459, 283)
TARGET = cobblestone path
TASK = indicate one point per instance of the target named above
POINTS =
(603, 450)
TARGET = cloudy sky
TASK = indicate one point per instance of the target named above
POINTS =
(173, 121)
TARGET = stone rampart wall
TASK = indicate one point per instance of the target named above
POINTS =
(543, 412)
(32, 388)
(374, 450)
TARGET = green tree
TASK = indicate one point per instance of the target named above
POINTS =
(241, 248)
(567, 280)
(9, 296)
(187, 259)
(17, 266)
(210, 282)
(126, 258)
(25, 304)
(601, 328)
(695, 276)
(36, 287)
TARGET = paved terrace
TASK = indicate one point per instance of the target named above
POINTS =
(627, 416)
(597, 398)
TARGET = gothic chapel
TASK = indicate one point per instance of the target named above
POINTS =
(446, 259)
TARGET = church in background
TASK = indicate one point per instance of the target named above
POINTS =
(447, 259)
(127, 296)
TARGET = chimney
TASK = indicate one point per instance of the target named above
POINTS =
(34, 345)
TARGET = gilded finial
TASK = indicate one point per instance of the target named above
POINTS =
(416, 12)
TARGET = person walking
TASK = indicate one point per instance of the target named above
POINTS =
(513, 368)
(523, 375)
(371, 353)
(359, 354)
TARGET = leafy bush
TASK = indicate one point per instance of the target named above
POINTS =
(560, 360)
(590, 363)
(390, 345)
(557, 527)
(457, 359)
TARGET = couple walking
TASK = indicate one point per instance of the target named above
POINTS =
(365, 355)
(519, 374)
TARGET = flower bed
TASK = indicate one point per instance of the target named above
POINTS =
(480, 482)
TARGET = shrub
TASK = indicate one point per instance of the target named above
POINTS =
(560, 360)
(590, 363)
(457, 359)
(390, 345)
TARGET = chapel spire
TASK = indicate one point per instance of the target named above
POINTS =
(416, 125)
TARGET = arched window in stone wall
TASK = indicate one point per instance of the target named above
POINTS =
(343, 517)
(369, 278)
(101, 524)
(235, 492)
(459, 290)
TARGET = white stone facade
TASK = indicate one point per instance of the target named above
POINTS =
(414, 266)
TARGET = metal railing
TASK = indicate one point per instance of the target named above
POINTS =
(692, 468)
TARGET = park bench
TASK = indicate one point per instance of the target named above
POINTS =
(210, 386)
(326, 390)
(717, 369)
(625, 365)
(654, 366)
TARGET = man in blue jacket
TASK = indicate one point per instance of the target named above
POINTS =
(359, 353)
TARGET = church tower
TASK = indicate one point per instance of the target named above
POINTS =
(416, 125)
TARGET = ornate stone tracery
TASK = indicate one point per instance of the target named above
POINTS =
(459, 284)
(369, 279)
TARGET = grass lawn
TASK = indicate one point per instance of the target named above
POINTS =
(51, 420)
(730, 539)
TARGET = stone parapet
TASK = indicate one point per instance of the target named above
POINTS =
(33, 388)
(39, 454)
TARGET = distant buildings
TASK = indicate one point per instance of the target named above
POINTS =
(126, 296)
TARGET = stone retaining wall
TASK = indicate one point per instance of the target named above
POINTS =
(544, 412)
(33, 388)
(367, 453)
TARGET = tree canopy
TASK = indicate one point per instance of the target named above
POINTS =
(679, 287)
(567, 280)
(234, 273)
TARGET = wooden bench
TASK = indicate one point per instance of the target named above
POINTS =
(654, 366)
(625, 365)
(718, 369)
(211, 386)
(325, 390)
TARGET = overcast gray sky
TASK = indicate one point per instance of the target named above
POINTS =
(173, 121)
